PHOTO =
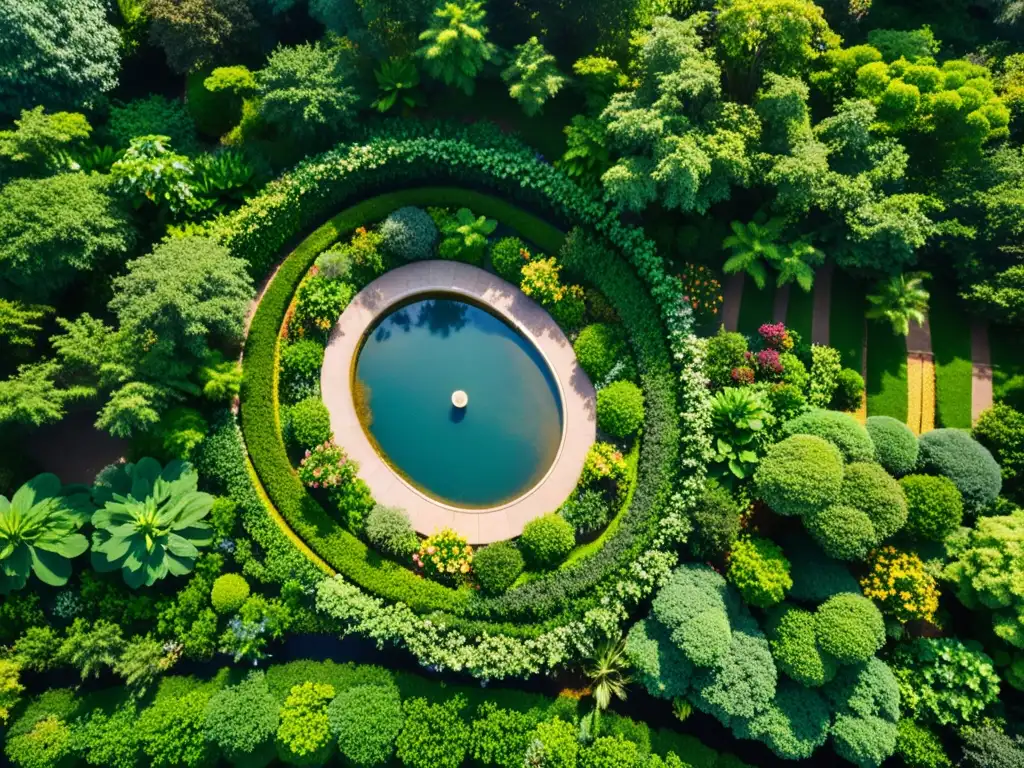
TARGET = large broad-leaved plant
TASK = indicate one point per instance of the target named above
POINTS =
(151, 521)
(39, 532)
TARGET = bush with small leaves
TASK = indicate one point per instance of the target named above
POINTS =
(229, 592)
(935, 508)
(612, 752)
(726, 350)
(598, 348)
(794, 725)
(335, 264)
(586, 511)
(434, 735)
(620, 409)
(242, 721)
(826, 364)
(508, 255)
(895, 445)
(409, 234)
(182, 430)
(547, 541)
(849, 628)
(691, 605)
(989, 747)
(49, 743)
(1001, 430)
(863, 741)
(320, 301)
(389, 531)
(759, 570)
(497, 566)
(799, 475)
(816, 576)
(716, 522)
(310, 423)
(843, 532)
(956, 455)
(173, 728)
(920, 747)
(501, 736)
(154, 114)
(303, 736)
(840, 429)
(558, 743)
(109, 739)
(658, 664)
(366, 721)
(794, 642)
(869, 488)
(849, 391)
(300, 369)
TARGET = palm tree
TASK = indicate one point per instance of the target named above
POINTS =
(753, 248)
(607, 673)
(798, 265)
(899, 300)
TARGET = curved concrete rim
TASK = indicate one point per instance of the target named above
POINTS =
(428, 515)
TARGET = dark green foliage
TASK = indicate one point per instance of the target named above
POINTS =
(843, 532)
(870, 489)
(850, 628)
(366, 721)
(793, 639)
(691, 606)
(934, 505)
(388, 529)
(840, 429)
(154, 115)
(725, 351)
(1001, 430)
(546, 541)
(300, 369)
(716, 522)
(598, 348)
(800, 475)
(586, 511)
(988, 747)
(657, 663)
(866, 700)
(794, 725)
(507, 258)
(229, 592)
(181, 431)
(849, 391)
(816, 576)
(409, 234)
(172, 728)
(500, 737)
(434, 735)
(197, 33)
(497, 566)
(242, 720)
(310, 422)
(952, 453)
(620, 409)
(895, 445)
(919, 747)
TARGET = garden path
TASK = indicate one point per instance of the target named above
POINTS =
(920, 379)
(981, 370)
(733, 297)
(478, 526)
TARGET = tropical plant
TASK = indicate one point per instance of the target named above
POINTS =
(151, 521)
(586, 150)
(221, 180)
(797, 265)
(898, 300)
(151, 171)
(737, 417)
(533, 76)
(465, 237)
(754, 249)
(398, 81)
(455, 46)
(607, 672)
(39, 532)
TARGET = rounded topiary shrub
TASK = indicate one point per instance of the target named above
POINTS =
(389, 531)
(799, 475)
(843, 532)
(587, 511)
(895, 444)
(366, 721)
(547, 541)
(794, 643)
(409, 234)
(965, 461)
(229, 592)
(242, 721)
(816, 576)
(840, 429)
(508, 256)
(300, 369)
(598, 348)
(620, 409)
(849, 390)
(850, 628)
(934, 506)
(497, 566)
(310, 422)
(869, 488)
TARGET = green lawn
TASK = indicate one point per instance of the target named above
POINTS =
(887, 372)
(756, 306)
(1007, 364)
(846, 320)
(800, 312)
(951, 345)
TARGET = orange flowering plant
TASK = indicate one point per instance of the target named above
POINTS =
(899, 583)
(701, 289)
(445, 556)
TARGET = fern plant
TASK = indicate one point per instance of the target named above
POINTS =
(455, 47)
(533, 76)
(900, 299)
(465, 236)
(754, 248)
(399, 82)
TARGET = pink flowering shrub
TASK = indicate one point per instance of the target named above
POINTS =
(326, 466)
(768, 362)
(445, 556)
(776, 336)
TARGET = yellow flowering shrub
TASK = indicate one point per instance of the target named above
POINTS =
(445, 556)
(898, 582)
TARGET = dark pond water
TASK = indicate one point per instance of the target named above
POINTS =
(486, 454)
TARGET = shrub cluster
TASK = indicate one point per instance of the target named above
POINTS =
(840, 429)
(620, 409)
(389, 531)
(508, 255)
(954, 454)
(409, 234)
(229, 592)
(598, 348)
(759, 570)
(497, 566)
(935, 508)
(310, 423)
(800, 475)
(895, 445)
(547, 541)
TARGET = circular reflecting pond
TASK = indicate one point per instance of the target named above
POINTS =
(421, 358)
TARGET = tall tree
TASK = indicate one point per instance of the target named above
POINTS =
(55, 53)
(533, 76)
(455, 46)
(197, 33)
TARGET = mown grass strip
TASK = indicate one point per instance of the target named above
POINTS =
(800, 312)
(756, 307)
(887, 372)
(846, 321)
(951, 346)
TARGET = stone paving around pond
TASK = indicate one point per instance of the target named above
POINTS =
(479, 526)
